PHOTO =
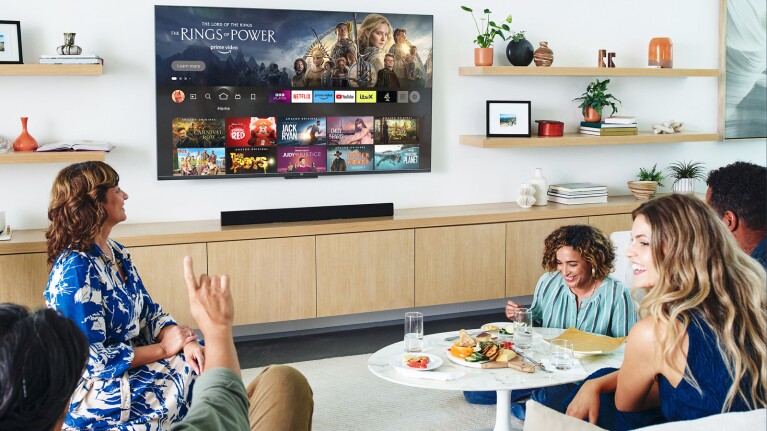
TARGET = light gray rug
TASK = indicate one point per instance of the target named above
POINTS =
(347, 396)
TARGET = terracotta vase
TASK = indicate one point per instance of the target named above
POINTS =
(25, 141)
(660, 53)
(591, 115)
(483, 56)
(543, 56)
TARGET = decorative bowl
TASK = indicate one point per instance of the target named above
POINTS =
(643, 190)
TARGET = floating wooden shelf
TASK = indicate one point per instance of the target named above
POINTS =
(583, 71)
(575, 139)
(51, 157)
(51, 69)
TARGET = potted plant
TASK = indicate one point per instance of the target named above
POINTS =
(684, 175)
(594, 99)
(519, 51)
(486, 34)
(648, 182)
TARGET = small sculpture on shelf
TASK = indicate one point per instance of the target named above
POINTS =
(69, 47)
(526, 197)
(5, 145)
(543, 56)
(601, 58)
(668, 127)
(610, 56)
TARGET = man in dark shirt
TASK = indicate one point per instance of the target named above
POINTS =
(386, 76)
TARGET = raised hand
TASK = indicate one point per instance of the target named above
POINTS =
(210, 301)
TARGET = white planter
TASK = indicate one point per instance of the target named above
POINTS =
(684, 186)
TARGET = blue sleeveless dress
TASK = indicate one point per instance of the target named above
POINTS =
(685, 402)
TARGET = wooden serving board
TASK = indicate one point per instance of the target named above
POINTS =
(517, 363)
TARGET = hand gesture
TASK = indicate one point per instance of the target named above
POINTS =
(174, 338)
(511, 308)
(585, 405)
(210, 300)
(195, 356)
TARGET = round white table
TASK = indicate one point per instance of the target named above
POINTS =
(501, 380)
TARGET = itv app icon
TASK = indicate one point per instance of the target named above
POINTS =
(366, 96)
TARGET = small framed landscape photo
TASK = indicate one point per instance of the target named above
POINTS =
(508, 119)
(10, 42)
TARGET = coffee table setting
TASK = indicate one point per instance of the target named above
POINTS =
(541, 357)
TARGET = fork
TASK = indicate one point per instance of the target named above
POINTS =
(530, 359)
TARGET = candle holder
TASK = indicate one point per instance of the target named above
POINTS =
(660, 53)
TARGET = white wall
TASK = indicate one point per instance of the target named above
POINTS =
(119, 106)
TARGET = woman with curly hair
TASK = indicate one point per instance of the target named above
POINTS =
(141, 363)
(699, 348)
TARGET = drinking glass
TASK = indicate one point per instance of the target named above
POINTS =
(561, 354)
(413, 332)
(523, 328)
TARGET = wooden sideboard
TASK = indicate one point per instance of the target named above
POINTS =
(303, 270)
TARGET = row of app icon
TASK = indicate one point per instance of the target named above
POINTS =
(310, 96)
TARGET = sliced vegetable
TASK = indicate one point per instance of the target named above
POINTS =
(476, 357)
(461, 352)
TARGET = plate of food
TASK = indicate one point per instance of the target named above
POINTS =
(416, 361)
(588, 344)
(503, 328)
(485, 351)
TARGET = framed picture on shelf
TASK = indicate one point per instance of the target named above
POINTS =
(10, 42)
(508, 119)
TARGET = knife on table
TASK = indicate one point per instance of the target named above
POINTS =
(530, 359)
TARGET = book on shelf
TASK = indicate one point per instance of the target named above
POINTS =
(82, 145)
(578, 187)
(606, 125)
(609, 129)
(71, 61)
(608, 132)
(579, 200)
(576, 194)
(620, 119)
(69, 56)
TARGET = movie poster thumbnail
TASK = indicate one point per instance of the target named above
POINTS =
(396, 130)
(199, 161)
(251, 131)
(350, 158)
(396, 157)
(350, 130)
(251, 160)
(301, 131)
(198, 133)
(301, 159)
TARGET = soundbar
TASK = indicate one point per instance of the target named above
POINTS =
(282, 215)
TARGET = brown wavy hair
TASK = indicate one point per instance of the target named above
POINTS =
(593, 246)
(701, 269)
(76, 210)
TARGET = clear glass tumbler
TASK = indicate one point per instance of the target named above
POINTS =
(414, 332)
(523, 328)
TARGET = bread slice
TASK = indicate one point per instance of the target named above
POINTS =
(465, 340)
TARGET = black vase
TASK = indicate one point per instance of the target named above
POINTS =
(520, 53)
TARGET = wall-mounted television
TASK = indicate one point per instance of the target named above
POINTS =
(262, 93)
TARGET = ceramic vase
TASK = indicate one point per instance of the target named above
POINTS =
(520, 53)
(69, 47)
(541, 186)
(543, 56)
(483, 56)
(591, 115)
(684, 186)
(25, 141)
(526, 197)
(661, 53)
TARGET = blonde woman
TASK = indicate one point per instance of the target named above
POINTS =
(699, 348)
(374, 40)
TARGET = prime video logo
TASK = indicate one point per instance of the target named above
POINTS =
(323, 96)
(345, 96)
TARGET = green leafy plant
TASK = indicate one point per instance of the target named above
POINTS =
(651, 175)
(694, 170)
(596, 98)
(489, 30)
(516, 36)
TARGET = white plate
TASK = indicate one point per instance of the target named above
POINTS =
(434, 361)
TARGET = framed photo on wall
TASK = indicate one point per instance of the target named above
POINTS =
(10, 42)
(508, 119)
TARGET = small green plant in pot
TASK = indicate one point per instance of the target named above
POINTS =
(594, 99)
(519, 51)
(486, 34)
(684, 175)
(648, 183)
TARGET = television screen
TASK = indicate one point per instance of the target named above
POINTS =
(263, 92)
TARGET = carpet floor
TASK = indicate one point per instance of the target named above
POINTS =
(348, 397)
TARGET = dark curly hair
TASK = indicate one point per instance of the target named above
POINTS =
(77, 209)
(740, 187)
(593, 246)
(42, 358)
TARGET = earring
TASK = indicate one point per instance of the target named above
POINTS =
(593, 272)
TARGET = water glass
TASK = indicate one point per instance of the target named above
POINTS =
(561, 354)
(413, 332)
(523, 328)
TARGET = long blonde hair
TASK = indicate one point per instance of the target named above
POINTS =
(370, 23)
(701, 269)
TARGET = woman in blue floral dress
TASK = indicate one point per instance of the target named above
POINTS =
(142, 364)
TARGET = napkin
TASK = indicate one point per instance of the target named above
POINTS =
(585, 342)
(431, 375)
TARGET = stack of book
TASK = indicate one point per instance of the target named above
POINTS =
(611, 126)
(71, 59)
(577, 193)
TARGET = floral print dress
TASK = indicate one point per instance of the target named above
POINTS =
(116, 317)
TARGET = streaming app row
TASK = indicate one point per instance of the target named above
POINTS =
(307, 96)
